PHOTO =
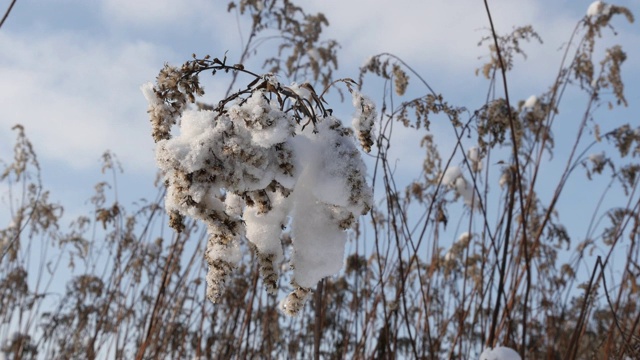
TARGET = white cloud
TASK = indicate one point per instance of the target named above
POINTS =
(77, 97)
(155, 12)
(439, 34)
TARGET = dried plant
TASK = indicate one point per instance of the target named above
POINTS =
(472, 253)
(240, 171)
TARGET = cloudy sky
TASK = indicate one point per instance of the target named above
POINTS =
(71, 70)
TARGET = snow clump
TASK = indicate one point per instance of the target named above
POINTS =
(475, 159)
(499, 353)
(453, 178)
(249, 170)
(598, 8)
(531, 102)
(597, 159)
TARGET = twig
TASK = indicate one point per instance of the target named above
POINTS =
(6, 14)
(518, 178)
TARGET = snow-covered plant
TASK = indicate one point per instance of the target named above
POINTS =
(454, 179)
(265, 159)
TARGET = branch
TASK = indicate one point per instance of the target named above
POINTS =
(6, 14)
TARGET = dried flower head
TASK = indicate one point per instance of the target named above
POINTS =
(247, 165)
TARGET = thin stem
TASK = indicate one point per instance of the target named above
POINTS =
(6, 14)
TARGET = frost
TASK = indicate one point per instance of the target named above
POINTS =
(499, 353)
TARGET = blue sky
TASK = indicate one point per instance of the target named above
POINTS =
(71, 70)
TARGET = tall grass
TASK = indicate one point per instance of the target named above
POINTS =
(514, 276)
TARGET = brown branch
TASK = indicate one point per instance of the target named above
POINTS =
(518, 178)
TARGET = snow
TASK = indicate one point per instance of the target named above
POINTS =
(229, 253)
(365, 115)
(504, 179)
(301, 91)
(465, 189)
(474, 156)
(250, 171)
(317, 241)
(450, 175)
(464, 238)
(233, 205)
(499, 353)
(595, 8)
(314, 54)
(364, 119)
(597, 159)
(453, 178)
(264, 230)
(598, 8)
(325, 196)
(531, 102)
(153, 249)
(449, 256)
